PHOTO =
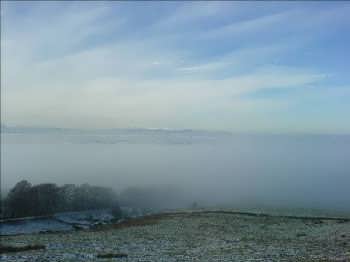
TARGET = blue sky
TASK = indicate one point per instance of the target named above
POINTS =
(240, 66)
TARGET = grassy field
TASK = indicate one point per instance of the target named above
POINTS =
(194, 236)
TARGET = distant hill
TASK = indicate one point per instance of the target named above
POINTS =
(109, 131)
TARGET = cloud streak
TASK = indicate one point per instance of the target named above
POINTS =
(102, 65)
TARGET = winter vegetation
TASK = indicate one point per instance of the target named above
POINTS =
(27, 200)
(193, 236)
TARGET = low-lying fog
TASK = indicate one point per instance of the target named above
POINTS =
(311, 171)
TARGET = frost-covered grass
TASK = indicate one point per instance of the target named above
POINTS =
(28, 226)
(64, 221)
(195, 237)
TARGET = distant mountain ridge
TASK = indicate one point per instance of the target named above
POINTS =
(144, 131)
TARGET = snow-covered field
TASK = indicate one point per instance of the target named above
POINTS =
(195, 237)
(64, 221)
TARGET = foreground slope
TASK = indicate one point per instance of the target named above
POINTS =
(200, 236)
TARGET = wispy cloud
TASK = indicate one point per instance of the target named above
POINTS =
(103, 65)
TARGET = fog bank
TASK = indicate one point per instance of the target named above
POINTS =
(212, 168)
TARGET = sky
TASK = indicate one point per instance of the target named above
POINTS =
(275, 67)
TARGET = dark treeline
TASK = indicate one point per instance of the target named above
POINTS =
(25, 199)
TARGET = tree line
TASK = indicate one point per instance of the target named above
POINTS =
(25, 199)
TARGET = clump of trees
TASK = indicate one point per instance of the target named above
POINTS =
(25, 199)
